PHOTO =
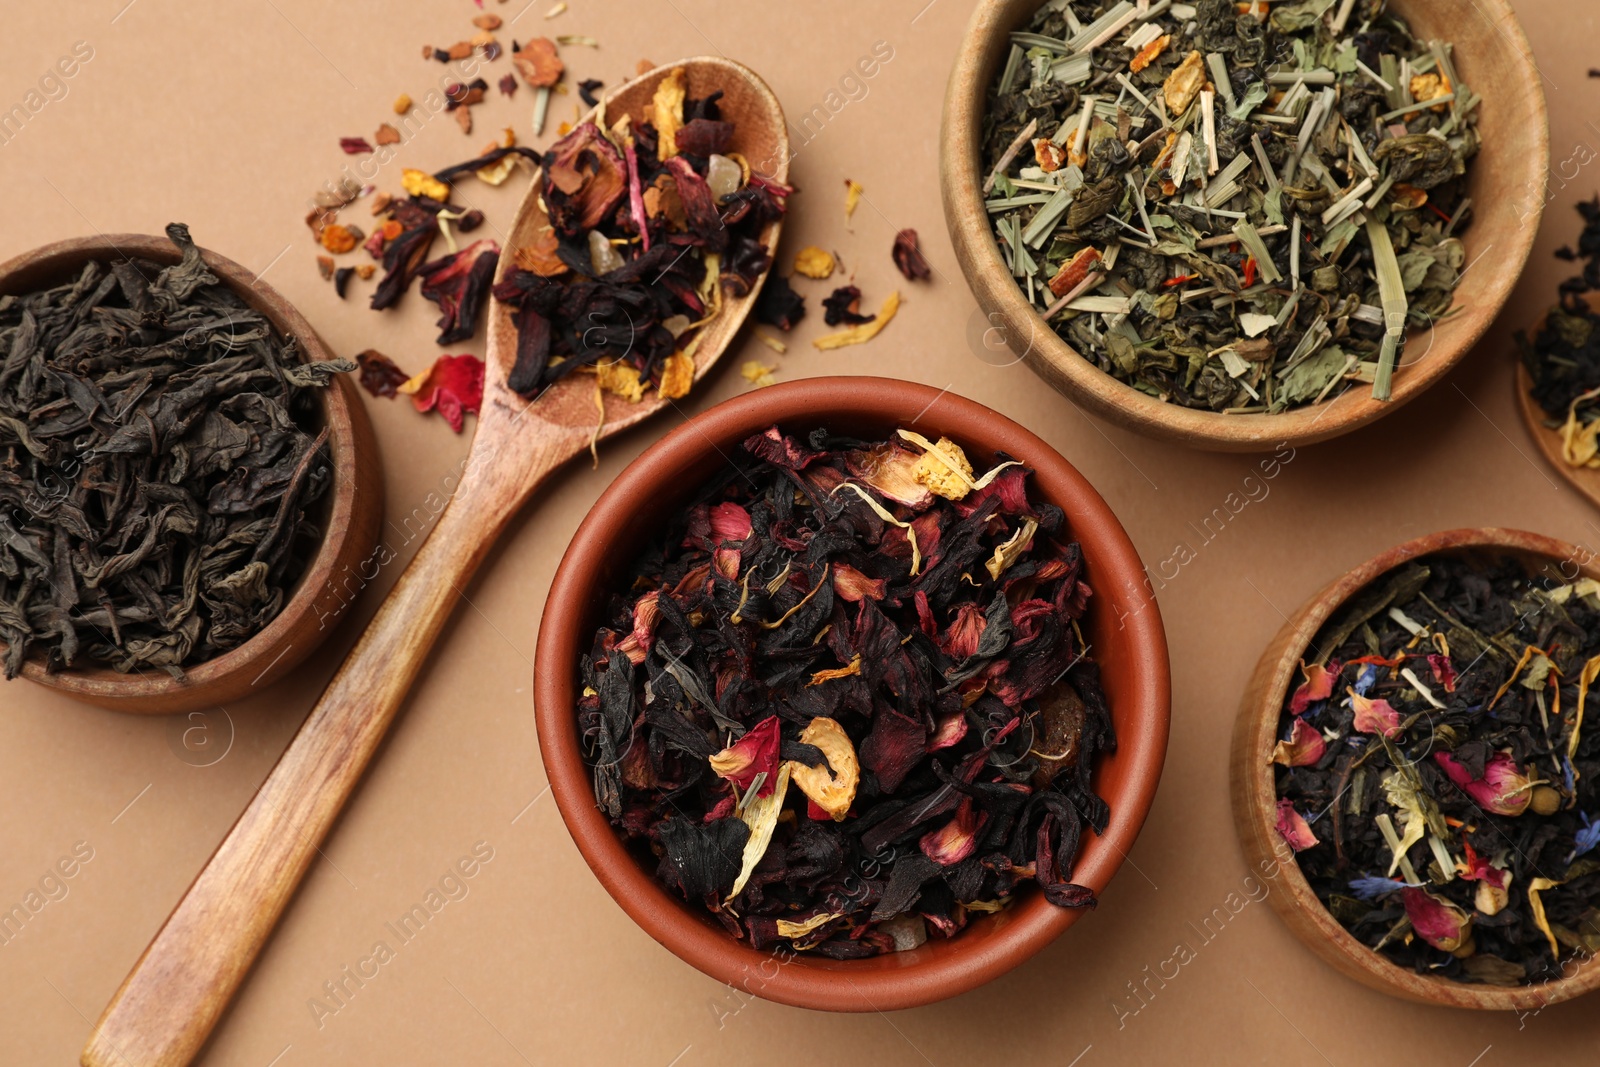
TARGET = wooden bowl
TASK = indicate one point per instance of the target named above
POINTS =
(1255, 796)
(354, 506)
(1124, 629)
(1506, 183)
(1586, 480)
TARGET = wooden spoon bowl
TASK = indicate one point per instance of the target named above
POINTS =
(1255, 795)
(351, 509)
(169, 1003)
(1506, 182)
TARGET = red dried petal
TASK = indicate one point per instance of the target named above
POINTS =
(1375, 716)
(1317, 686)
(1292, 827)
(454, 386)
(852, 585)
(754, 753)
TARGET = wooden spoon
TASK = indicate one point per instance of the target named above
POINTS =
(1585, 480)
(169, 1003)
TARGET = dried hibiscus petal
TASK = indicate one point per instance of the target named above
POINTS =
(453, 386)
(459, 284)
(908, 257)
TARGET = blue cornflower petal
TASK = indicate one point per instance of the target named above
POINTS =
(1373, 888)
(1587, 838)
(1365, 680)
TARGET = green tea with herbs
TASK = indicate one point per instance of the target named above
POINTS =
(1233, 207)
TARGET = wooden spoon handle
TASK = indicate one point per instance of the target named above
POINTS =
(167, 1006)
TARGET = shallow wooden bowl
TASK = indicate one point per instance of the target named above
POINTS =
(353, 506)
(1506, 182)
(1586, 480)
(1255, 797)
(1123, 627)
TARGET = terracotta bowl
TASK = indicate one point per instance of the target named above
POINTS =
(1124, 628)
(1255, 797)
(353, 506)
(1506, 182)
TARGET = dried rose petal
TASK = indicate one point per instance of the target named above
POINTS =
(1292, 827)
(1317, 686)
(956, 839)
(1375, 716)
(1304, 747)
(753, 754)
(1436, 920)
(1443, 671)
(354, 146)
(1502, 789)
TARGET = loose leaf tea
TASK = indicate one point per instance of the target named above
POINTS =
(159, 465)
(1240, 209)
(1563, 358)
(844, 701)
(652, 224)
(1438, 779)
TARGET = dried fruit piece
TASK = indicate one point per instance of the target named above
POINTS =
(758, 373)
(944, 469)
(386, 134)
(538, 63)
(1048, 155)
(1074, 270)
(1184, 84)
(402, 104)
(1149, 53)
(487, 21)
(339, 238)
(677, 375)
(421, 183)
(813, 262)
(832, 792)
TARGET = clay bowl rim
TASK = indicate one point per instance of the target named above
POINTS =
(1513, 167)
(683, 458)
(1255, 796)
(353, 504)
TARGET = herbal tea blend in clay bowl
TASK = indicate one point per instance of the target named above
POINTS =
(858, 678)
(184, 475)
(1413, 762)
(1239, 227)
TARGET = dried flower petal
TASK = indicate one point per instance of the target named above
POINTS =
(1436, 920)
(379, 375)
(453, 385)
(813, 262)
(421, 183)
(856, 335)
(908, 257)
(1293, 828)
(1374, 716)
(1317, 686)
(1503, 789)
(1304, 747)
(753, 755)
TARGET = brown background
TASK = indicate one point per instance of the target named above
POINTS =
(227, 117)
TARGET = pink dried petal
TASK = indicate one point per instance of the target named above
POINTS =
(853, 586)
(956, 839)
(1292, 827)
(1436, 920)
(1444, 672)
(1317, 686)
(1304, 747)
(1375, 716)
(1502, 789)
(636, 646)
(949, 731)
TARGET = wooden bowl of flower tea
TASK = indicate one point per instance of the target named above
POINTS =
(1402, 776)
(811, 962)
(160, 622)
(1265, 305)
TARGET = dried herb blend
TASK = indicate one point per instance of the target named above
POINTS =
(844, 702)
(652, 224)
(1238, 209)
(1563, 357)
(160, 459)
(1439, 782)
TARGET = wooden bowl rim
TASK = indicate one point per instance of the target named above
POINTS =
(991, 945)
(136, 692)
(1086, 384)
(1255, 794)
